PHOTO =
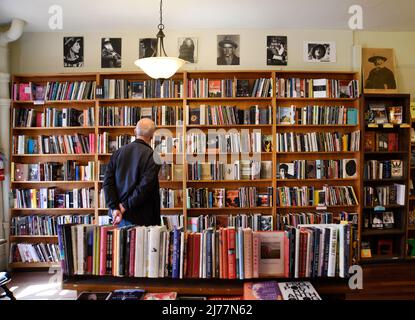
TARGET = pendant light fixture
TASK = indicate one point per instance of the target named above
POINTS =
(159, 65)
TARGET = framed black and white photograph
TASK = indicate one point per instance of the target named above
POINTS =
(277, 53)
(228, 50)
(319, 51)
(188, 49)
(73, 52)
(147, 46)
(111, 53)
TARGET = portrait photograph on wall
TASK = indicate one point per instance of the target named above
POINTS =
(228, 50)
(147, 46)
(378, 69)
(188, 49)
(73, 52)
(319, 51)
(111, 53)
(277, 53)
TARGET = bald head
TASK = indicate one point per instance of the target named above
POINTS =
(145, 129)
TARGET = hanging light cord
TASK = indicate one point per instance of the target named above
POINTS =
(161, 25)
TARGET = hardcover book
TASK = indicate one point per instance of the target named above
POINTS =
(267, 290)
(242, 88)
(232, 198)
(395, 114)
(286, 115)
(298, 290)
(378, 113)
(397, 169)
(214, 89)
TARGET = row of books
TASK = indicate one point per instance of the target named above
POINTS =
(384, 195)
(315, 114)
(316, 88)
(232, 142)
(379, 220)
(226, 253)
(129, 115)
(299, 218)
(383, 169)
(170, 198)
(136, 89)
(311, 196)
(54, 144)
(70, 170)
(109, 144)
(168, 144)
(243, 197)
(53, 117)
(381, 141)
(44, 225)
(214, 88)
(54, 90)
(44, 198)
(172, 221)
(318, 141)
(378, 113)
(256, 222)
(32, 253)
(228, 115)
(317, 169)
(238, 170)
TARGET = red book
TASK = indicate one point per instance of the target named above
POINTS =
(196, 255)
(103, 251)
(225, 254)
(303, 253)
(132, 253)
(25, 91)
(231, 253)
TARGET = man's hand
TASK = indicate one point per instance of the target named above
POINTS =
(116, 217)
(122, 209)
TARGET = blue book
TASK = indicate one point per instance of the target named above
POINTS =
(209, 254)
(352, 116)
(176, 254)
(241, 253)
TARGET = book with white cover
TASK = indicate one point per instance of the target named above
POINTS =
(298, 290)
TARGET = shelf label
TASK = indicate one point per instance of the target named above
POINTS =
(373, 125)
(405, 125)
(321, 208)
(388, 125)
(39, 102)
(379, 208)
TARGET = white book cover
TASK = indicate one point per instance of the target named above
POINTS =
(181, 255)
(298, 290)
(153, 251)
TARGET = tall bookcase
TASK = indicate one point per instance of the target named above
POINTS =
(386, 243)
(186, 101)
(410, 250)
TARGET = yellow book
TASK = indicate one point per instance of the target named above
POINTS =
(12, 172)
(413, 110)
(345, 139)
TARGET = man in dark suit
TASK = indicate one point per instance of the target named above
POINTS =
(380, 77)
(228, 56)
(131, 183)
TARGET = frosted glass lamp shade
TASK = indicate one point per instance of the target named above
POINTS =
(160, 67)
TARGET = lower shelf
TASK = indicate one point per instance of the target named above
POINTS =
(202, 287)
(27, 265)
(379, 258)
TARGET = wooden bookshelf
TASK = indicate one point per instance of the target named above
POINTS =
(241, 102)
(398, 234)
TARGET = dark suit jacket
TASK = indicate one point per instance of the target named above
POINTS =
(132, 179)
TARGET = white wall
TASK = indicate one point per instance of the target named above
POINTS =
(43, 52)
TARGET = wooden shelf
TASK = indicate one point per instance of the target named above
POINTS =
(316, 125)
(230, 209)
(384, 152)
(381, 232)
(391, 206)
(34, 239)
(317, 99)
(213, 126)
(411, 227)
(49, 102)
(41, 183)
(380, 258)
(53, 128)
(28, 265)
(316, 207)
(230, 98)
(384, 180)
(231, 181)
(316, 152)
(133, 127)
(322, 180)
(142, 100)
(77, 155)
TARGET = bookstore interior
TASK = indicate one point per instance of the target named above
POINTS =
(277, 150)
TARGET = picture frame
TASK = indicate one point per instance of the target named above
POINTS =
(319, 51)
(188, 49)
(378, 70)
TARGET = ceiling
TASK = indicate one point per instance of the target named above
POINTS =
(122, 15)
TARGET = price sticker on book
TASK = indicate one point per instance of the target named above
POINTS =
(321, 208)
